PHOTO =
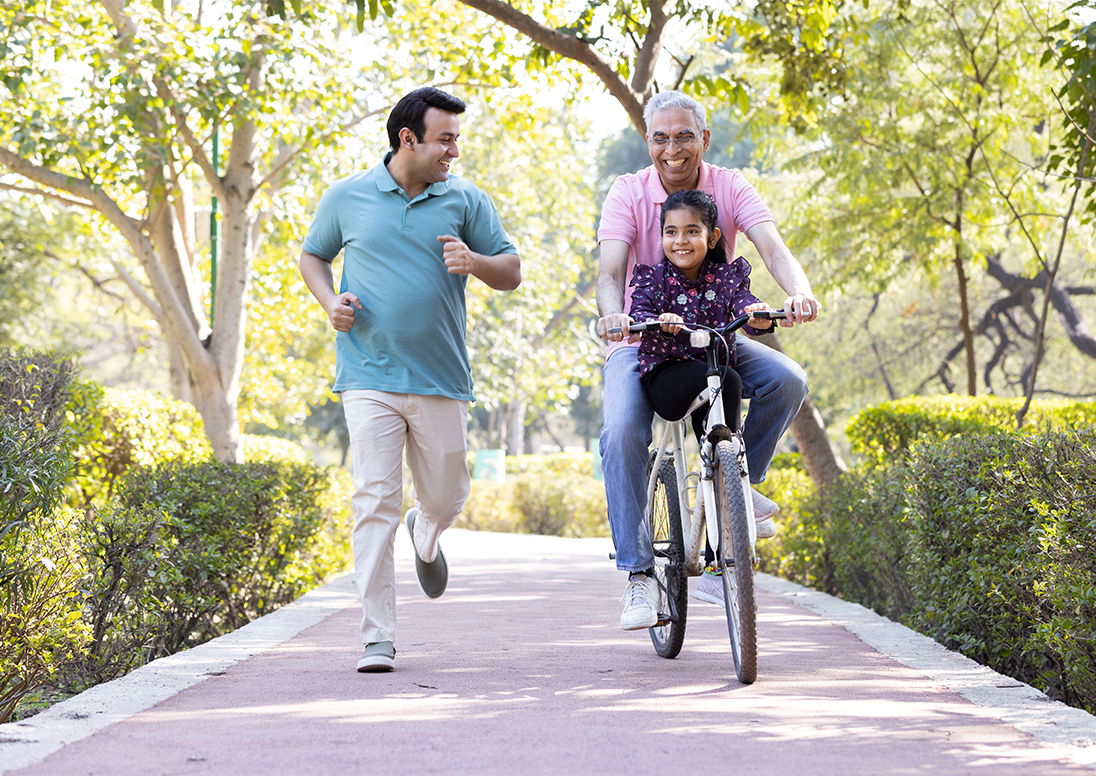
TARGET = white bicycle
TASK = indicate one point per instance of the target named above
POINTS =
(679, 502)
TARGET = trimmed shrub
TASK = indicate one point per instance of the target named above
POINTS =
(1002, 534)
(191, 551)
(798, 551)
(117, 429)
(866, 539)
(39, 606)
(554, 495)
(560, 506)
(889, 430)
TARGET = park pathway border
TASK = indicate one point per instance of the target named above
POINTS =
(1070, 732)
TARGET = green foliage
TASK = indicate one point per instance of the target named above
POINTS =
(117, 429)
(1001, 559)
(34, 457)
(22, 256)
(888, 430)
(798, 551)
(866, 538)
(39, 607)
(1073, 151)
(560, 506)
(553, 495)
(193, 550)
(981, 540)
(554, 465)
(41, 627)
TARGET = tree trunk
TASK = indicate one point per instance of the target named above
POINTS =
(820, 456)
(515, 443)
(964, 321)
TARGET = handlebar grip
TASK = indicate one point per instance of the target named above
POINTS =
(770, 315)
(634, 327)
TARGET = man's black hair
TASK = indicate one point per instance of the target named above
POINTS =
(411, 109)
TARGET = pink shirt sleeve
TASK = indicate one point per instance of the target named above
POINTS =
(618, 213)
(738, 201)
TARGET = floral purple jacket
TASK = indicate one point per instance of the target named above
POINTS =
(714, 299)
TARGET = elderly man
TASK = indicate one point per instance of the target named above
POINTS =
(629, 232)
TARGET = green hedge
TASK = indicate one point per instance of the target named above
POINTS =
(880, 433)
(190, 551)
(982, 540)
(167, 549)
(1001, 564)
(554, 495)
(116, 429)
(40, 624)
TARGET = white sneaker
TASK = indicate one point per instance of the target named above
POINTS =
(709, 589)
(764, 510)
(640, 603)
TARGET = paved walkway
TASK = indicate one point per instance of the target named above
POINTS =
(520, 668)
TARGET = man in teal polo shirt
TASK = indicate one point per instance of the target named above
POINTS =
(412, 236)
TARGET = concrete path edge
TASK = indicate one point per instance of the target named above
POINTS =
(1069, 731)
(29, 741)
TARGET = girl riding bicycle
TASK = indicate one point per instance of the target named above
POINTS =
(694, 283)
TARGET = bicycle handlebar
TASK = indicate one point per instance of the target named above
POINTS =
(735, 325)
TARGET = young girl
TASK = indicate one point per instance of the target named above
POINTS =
(693, 284)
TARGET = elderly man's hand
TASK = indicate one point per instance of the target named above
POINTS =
(342, 311)
(613, 321)
(800, 308)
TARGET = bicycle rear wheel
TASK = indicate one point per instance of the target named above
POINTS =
(664, 527)
(736, 561)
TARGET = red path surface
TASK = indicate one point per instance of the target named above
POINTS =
(521, 668)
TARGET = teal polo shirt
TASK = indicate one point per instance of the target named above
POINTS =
(410, 335)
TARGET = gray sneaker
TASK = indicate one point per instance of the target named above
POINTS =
(640, 603)
(433, 576)
(378, 657)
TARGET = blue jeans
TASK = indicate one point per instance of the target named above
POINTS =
(775, 386)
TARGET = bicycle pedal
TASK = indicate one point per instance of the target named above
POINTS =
(612, 556)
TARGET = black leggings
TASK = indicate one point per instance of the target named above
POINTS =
(672, 385)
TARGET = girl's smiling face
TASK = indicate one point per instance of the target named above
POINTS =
(686, 240)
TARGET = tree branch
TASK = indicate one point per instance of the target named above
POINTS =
(49, 194)
(571, 48)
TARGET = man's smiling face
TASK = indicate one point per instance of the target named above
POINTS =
(432, 157)
(677, 147)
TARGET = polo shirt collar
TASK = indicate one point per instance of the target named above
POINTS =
(385, 181)
(657, 191)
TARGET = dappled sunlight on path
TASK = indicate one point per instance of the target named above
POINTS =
(521, 668)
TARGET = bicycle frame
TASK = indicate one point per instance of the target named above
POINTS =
(720, 512)
(693, 521)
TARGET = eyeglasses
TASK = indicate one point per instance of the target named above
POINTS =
(681, 141)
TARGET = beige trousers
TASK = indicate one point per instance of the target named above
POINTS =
(433, 429)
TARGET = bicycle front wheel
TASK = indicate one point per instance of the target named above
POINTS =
(736, 561)
(664, 527)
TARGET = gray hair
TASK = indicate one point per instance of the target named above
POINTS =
(675, 101)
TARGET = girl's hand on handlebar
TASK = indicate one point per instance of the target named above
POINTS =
(671, 318)
(764, 324)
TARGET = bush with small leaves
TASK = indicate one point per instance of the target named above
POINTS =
(1001, 563)
(40, 624)
(888, 430)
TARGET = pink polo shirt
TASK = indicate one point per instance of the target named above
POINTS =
(633, 208)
